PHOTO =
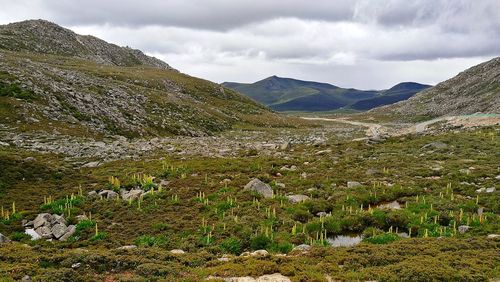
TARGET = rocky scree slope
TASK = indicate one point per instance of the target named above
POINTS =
(474, 90)
(54, 80)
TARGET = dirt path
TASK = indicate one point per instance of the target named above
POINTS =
(373, 129)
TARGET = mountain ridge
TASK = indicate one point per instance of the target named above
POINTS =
(289, 94)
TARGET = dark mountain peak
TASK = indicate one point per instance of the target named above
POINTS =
(41, 36)
(409, 86)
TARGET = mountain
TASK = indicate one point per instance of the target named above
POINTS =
(287, 94)
(52, 79)
(399, 92)
(474, 90)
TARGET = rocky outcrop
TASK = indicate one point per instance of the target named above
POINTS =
(474, 90)
(50, 226)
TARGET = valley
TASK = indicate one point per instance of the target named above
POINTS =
(115, 166)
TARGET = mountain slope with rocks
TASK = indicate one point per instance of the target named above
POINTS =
(54, 80)
(474, 90)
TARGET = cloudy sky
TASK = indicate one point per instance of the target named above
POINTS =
(367, 44)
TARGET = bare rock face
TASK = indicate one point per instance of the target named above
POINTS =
(260, 187)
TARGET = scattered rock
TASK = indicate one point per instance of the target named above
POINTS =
(58, 230)
(81, 217)
(465, 171)
(323, 152)
(259, 253)
(92, 195)
(492, 236)
(436, 145)
(31, 232)
(302, 248)
(69, 232)
(353, 184)
(76, 265)
(108, 194)
(91, 164)
(26, 278)
(128, 247)
(297, 198)
(177, 251)
(133, 194)
(463, 228)
(321, 214)
(490, 190)
(41, 220)
(285, 146)
(260, 187)
(3, 239)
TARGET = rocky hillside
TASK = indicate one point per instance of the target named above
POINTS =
(474, 90)
(287, 94)
(54, 80)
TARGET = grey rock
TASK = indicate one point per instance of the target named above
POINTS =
(260, 187)
(463, 228)
(44, 232)
(128, 247)
(58, 230)
(321, 214)
(58, 219)
(490, 190)
(108, 194)
(69, 232)
(493, 236)
(42, 220)
(435, 145)
(302, 248)
(132, 194)
(353, 184)
(26, 278)
(92, 195)
(81, 217)
(297, 198)
(3, 239)
(91, 164)
(177, 252)
(285, 146)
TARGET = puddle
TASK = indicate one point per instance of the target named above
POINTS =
(345, 240)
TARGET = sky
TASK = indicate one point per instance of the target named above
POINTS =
(364, 44)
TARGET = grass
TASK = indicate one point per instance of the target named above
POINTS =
(211, 217)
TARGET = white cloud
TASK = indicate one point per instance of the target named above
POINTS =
(363, 43)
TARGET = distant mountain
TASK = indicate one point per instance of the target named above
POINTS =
(287, 94)
(399, 92)
(474, 90)
(54, 80)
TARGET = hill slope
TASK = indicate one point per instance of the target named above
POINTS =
(53, 79)
(476, 89)
(286, 94)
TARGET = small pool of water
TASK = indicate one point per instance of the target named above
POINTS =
(345, 240)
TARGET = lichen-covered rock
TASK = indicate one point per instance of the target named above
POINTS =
(260, 187)
(297, 198)
(3, 239)
(58, 230)
(69, 232)
(42, 219)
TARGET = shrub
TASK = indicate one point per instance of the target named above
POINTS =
(260, 242)
(282, 247)
(19, 236)
(383, 238)
(231, 245)
(85, 225)
(151, 241)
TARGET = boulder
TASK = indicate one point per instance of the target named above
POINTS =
(260, 187)
(44, 232)
(302, 248)
(259, 253)
(42, 220)
(58, 219)
(108, 194)
(3, 239)
(58, 230)
(129, 247)
(32, 233)
(435, 145)
(463, 228)
(92, 195)
(297, 198)
(69, 232)
(490, 190)
(353, 184)
(132, 194)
